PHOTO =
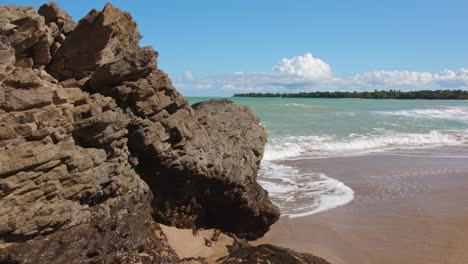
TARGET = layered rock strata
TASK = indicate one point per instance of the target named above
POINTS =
(97, 147)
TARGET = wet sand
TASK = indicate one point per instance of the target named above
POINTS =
(409, 207)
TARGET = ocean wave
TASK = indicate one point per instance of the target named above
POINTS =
(299, 105)
(457, 113)
(300, 194)
(312, 146)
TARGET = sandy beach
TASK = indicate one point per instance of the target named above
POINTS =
(409, 207)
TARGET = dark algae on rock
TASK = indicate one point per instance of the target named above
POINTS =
(98, 148)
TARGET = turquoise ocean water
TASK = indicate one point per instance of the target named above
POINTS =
(312, 128)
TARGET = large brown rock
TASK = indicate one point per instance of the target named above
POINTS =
(53, 14)
(68, 189)
(270, 254)
(201, 163)
(23, 26)
(97, 39)
(128, 66)
(207, 162)
(34, 37)
(97, 147)
(125, 237)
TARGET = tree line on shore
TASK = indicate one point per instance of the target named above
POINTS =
(383, 94)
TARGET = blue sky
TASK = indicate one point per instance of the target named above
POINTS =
(255, 45)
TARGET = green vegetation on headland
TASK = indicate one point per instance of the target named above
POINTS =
(390, 94)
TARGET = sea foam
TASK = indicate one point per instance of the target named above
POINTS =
(316, 146)
(456, 113)
(297, 105)
(301, 194)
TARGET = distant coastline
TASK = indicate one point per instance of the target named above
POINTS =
(390, 94)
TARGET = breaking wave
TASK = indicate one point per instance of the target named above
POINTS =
(313, 146)
(456, 113)
(301, 194)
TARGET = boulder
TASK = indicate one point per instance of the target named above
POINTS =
(34, 37)
(132, 65)
(201, 163)
(270, 254)
(41, 51)
(97, 39)
(53, 14)
(126, 237)
(97, 148)
(67, 179)
(206, 162)
(22, 26)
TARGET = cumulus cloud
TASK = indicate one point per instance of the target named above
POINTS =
(306, 73)
(305, 66)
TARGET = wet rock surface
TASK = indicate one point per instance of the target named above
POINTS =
(97, 147)
(270, 254)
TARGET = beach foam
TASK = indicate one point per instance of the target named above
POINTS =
(300, 194)
(297, 105)
(316, 146)
(456, 113)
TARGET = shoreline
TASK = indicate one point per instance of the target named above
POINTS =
(408, 208)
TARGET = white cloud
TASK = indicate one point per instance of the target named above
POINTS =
(187, 76)
(306, 73)
(449, 78)
(204, 84)
(305, 66)
(394, 78)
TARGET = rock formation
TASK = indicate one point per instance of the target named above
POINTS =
(97, 148)
(269, 254)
